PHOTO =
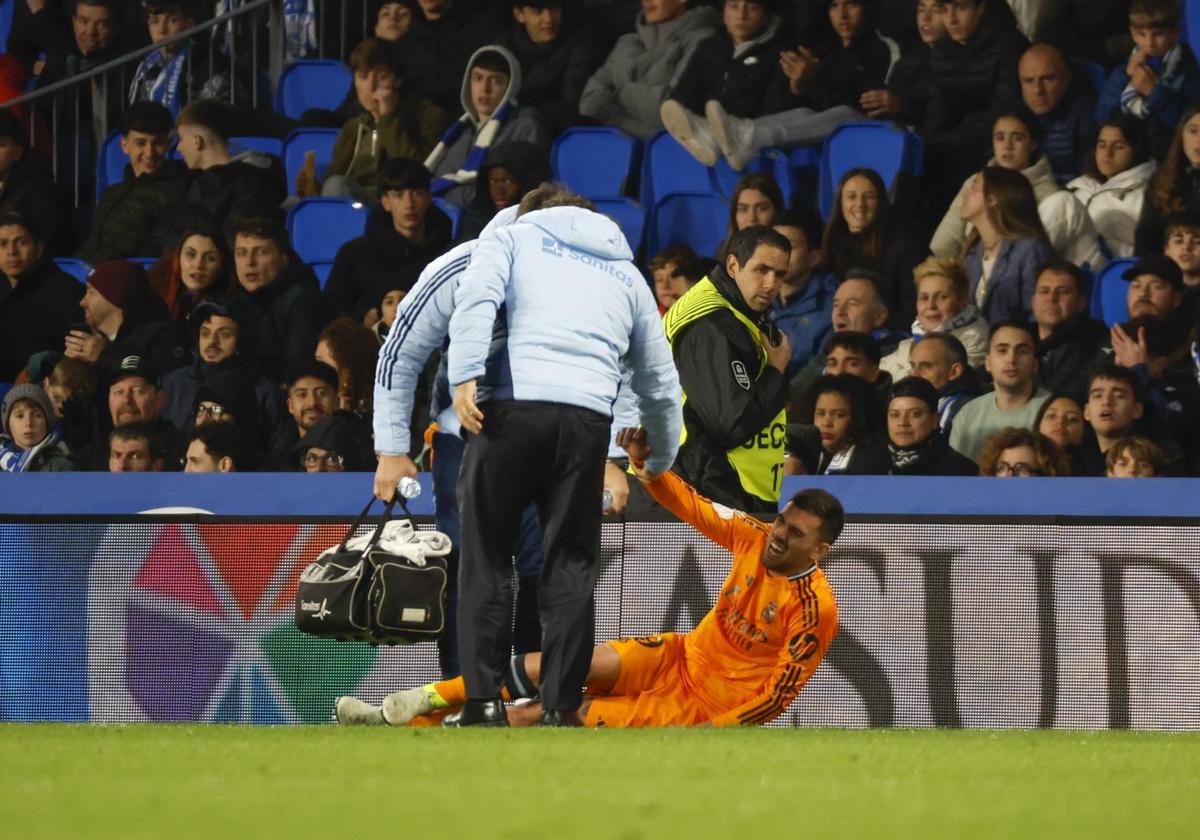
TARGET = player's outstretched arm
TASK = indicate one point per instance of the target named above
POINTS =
(726, 527)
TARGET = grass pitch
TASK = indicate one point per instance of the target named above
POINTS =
(228, 781)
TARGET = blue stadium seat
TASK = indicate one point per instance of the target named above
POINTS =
(267, 145)
(1110, 292)
(774, 162)
(628, 214)
(319, 226)
(311, 83)
(696, 219)
(319, 140)
(110, 169)
(668, 168)
(6, 15)
(1096, 74)
(144, 262)
(885, 147)
(75, 267)
(321, 268)
(455, 213)
(5, 387)
(596, 162)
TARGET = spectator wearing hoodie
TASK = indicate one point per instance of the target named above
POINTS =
(829, 82)
(916, 442)
(401, 238)
(437, 48)
(491, 115)
(27, 185)
(510, 170)
(38, 301)
(629, 88)
(28, 442)
(394, 121)
(279, 300)
(578, 311)
(129, 219)
(1116, 174)
(1062, 102)
(739, 67)
(124, 320)
(218, 335)
(557, 54)
(1017, 146)
(974, 77)
(335, 443)
(223, 185)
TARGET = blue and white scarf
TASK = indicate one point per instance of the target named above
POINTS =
(159, 78)
(14, 459)
(467, 173)
(967, 316)
(299, 27)
(1169, 77)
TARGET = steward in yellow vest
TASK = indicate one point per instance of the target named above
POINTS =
(735, 426)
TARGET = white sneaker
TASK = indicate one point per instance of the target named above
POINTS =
(350, 711)
(734, 135)
(691, 132)
(403, 706)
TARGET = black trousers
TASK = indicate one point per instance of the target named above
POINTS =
(550, 455)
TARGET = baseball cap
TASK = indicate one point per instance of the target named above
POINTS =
(1160, 265)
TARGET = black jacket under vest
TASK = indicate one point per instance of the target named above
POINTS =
(715, 354)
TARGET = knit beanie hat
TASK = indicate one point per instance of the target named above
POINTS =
(123, 284)
(27, 391)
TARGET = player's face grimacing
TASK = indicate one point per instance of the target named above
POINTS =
(795, 543)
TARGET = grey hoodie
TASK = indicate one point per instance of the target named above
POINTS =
(630, 88)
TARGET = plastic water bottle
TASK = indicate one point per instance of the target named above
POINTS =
(409, 488)
(606, 500)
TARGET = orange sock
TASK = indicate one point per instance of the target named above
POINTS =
(454, 691)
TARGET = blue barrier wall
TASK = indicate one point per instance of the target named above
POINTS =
(299, 494)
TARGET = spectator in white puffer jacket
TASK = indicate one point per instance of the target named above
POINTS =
(1113, 186)
(1016, 137)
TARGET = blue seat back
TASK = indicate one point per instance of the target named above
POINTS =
(595, 162)
(311, 83)
(110, 168)
(318, 140)
(321, 268)
(668, 168)
(1110, 293)
(5, 387)
(884, 147)
(1095, 74)
(319, 226)
(455, 213)
(698, 220)
(628, 214)
(144, 262)
(77, 268)
(267, 145)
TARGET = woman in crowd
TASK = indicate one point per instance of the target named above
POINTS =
(916, 443)
(864, 233)
(1016, 146)
(943, 305)
(1007, 244)
(351, 349)
(1175, 187)
(198, 269)
(1061, 420)
(1021, 453)
(757, 200)
(845, 412)
(1116, 176)
(909, 84)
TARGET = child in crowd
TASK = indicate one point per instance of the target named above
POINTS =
(1135, 457)
(27, 443)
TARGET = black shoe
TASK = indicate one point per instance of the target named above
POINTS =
(558, 717)
(478, 713)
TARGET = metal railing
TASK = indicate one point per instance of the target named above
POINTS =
(62, 103)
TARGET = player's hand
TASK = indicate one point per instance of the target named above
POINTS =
(391, 469)
(778, 355)
(84, 346)
(617, 484)
(633, 441)
(464, 406)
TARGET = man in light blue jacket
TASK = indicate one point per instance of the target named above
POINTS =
(576, 311)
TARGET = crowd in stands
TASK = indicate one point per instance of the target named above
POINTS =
(940, 326)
